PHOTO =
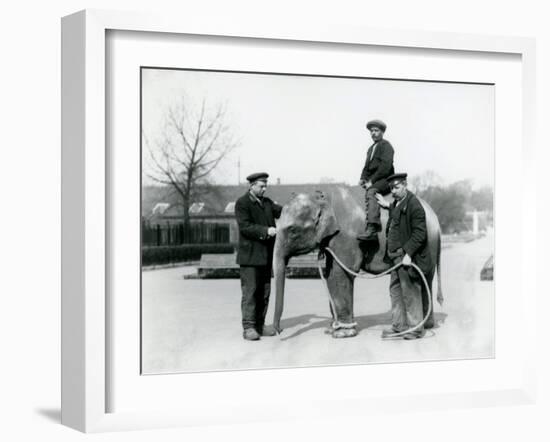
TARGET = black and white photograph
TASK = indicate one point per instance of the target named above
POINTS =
(303, 220)
(338, 207)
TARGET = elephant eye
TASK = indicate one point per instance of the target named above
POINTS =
(293, 231)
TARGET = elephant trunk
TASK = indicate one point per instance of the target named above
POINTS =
(279, 270)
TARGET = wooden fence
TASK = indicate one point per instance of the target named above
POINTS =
(178, 234)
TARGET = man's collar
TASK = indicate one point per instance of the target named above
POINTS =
(403, 202)
(254, 198)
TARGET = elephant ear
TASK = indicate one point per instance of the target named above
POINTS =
(326, 225)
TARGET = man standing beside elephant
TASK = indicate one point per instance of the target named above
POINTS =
(256, 216)
(378, 166)
(407, 242)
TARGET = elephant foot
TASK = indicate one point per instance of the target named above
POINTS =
(344, 333)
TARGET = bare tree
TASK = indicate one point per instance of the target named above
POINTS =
(421, 183)
(191, 145)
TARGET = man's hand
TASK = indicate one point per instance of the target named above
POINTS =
(382, 202)
(272, 231)
(407, 261)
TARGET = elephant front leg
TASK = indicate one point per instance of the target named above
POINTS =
(340, 286)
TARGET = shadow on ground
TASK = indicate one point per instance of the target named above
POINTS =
(308, 323)
(314, 322)
(51, 414)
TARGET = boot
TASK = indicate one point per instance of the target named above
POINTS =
(389, 332)
(251, 334)
(414, 335)
(371, 232)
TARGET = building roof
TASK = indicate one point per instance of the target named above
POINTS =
(215, 200)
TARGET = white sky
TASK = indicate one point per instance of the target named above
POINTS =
(301, 129)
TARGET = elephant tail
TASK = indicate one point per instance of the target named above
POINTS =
(438, 265)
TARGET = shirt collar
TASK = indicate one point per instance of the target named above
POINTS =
(254, 198)
(402, 201)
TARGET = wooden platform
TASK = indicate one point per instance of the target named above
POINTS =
(221, 266)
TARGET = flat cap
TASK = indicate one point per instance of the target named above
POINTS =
(259, 176)
(377, 123)
(396, 178)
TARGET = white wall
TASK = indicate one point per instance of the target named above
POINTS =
(30, 225)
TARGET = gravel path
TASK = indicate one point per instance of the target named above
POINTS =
(194, 325)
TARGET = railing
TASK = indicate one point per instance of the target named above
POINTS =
(177, 234)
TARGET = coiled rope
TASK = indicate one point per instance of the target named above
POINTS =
(336, 324)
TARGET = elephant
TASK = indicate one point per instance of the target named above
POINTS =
(333, 219)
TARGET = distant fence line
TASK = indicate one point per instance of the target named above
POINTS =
(178, 234)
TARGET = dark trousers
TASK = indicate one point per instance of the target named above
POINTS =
(406, 299)
(372, 208)
(255, 287)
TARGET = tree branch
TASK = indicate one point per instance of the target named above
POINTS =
(191, 146)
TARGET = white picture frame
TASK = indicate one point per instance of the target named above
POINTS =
(86, 353)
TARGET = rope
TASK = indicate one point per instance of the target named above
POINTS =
(337, 324)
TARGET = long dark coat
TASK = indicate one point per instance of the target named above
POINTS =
(253, 218)
(380, 166)
(413, 235)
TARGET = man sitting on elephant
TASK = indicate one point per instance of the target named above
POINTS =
(378, 166)
(407, 241)
(256, 219)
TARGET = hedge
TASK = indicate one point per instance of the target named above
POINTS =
(154, 255)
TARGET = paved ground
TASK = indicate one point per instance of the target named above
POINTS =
(194, 325)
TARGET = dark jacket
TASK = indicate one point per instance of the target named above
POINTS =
(413, 235)
(380, 166)
(253, 218)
